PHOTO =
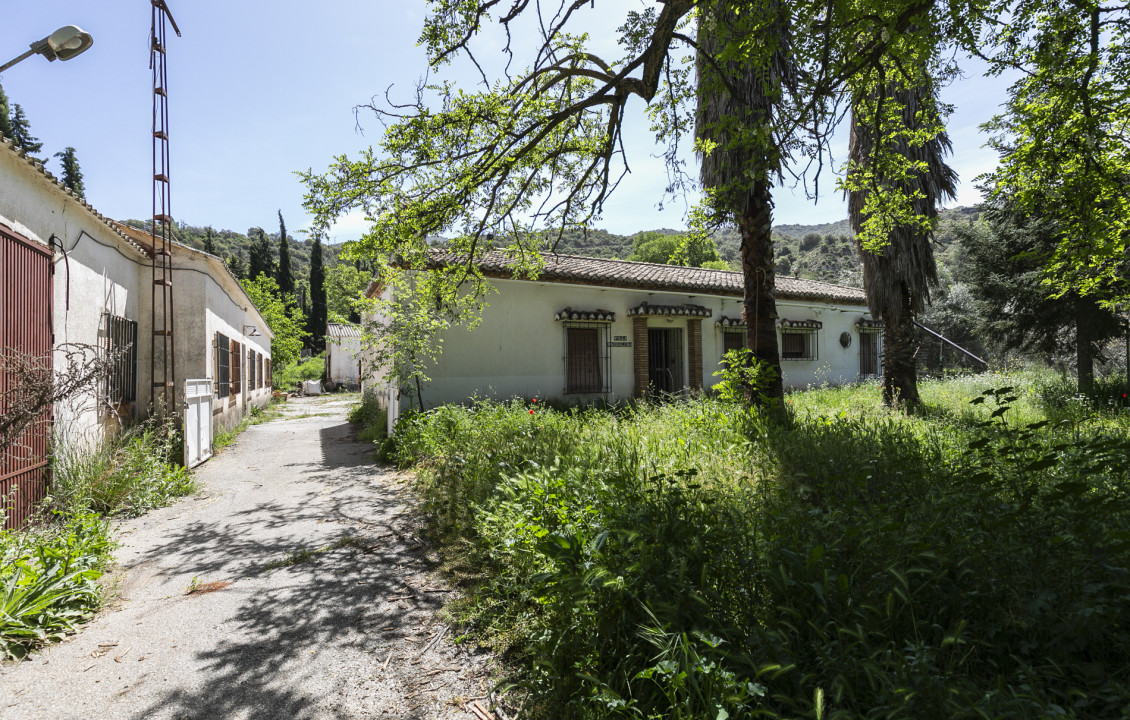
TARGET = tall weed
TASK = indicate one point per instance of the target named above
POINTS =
(693, 560)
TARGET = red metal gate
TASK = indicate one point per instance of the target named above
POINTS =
(25, 327)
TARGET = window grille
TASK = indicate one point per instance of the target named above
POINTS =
(250, 369)
(236, 368)
(733, 339)
(587, 358)
(869, 352)
(121, 351)
(799, 344)
(223, 365)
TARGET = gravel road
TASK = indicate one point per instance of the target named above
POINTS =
(312, 598)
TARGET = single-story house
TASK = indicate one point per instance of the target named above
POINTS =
(71, 276)
(591, 329)
(343, 356)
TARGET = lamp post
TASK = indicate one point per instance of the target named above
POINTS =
(63, 44)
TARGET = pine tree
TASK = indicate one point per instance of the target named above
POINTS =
(304, 299)
(235, 264)
(72, 176)
(284, 276)
(209, 242)
(316, 322)
(262, 257)
(5, 115)
(21, 132)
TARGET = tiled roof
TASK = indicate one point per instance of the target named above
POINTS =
(665, 278)
(11, 145)
(340, 331)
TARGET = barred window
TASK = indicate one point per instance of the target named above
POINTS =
(250, 370)
(587, 358)
(267, 372)
(121, 351)
(236, 368)
(733, 339)
(798, 344)
(222, 364)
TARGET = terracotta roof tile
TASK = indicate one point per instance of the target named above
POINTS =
(666, 278)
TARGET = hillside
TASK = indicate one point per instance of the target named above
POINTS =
(229, 243)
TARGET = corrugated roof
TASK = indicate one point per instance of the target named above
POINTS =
(581, 270)
(339, 331)
(11, 145)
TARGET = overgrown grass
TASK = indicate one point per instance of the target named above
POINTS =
(49, 571)
(373, 420)
(695, 560)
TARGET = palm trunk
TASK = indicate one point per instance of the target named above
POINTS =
(756, 225)
(900, 368)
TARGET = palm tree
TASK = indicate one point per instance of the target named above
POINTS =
(897, 280)
(736, 105)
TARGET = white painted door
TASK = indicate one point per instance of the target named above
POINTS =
(197, 421)
(393, 407)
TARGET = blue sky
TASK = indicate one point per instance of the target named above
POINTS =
(259, 90)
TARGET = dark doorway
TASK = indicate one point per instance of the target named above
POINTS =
(868, 353)
(665, 360)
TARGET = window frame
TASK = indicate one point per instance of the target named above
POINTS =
(236, 368)
(809, 339)
(222, 364)
(121, 351)
(601, 360)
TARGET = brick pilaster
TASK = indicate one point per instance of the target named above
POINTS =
(639, 356)
(694, 353)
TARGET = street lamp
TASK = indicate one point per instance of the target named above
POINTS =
(63, 44)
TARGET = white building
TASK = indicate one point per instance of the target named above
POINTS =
(69, 275)
(590, 329)
(343, 356)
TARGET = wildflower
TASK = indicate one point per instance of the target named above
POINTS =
(531, 412)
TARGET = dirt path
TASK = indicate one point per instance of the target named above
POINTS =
(322, 609)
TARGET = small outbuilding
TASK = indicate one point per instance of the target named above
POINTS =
(343, 356)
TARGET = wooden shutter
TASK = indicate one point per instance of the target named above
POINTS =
(582, 365)
(236, 367)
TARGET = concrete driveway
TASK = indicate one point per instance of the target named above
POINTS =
(293, 586)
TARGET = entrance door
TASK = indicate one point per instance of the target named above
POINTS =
(868, 353)
(665, 360)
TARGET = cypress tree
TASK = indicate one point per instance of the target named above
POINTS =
(284, 276)
(209, 242)
(21, 133)
(262, 259)
(72, 176)
(235, 264)
(5, 115)
(316, 322)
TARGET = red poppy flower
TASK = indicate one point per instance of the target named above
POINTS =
(531, 412)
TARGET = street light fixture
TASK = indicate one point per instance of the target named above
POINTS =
(63, 44)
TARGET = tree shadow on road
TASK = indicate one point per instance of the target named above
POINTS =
(329, 579)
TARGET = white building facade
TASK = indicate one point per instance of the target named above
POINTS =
(590, 330)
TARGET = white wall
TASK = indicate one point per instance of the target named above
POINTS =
(518, 348)
(342, 356)
(99, 272)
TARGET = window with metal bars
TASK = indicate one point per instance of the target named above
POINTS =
(236, 368)
(222, 365)
(267, 372)
(587, 358)
(121, 351)
(798, 344)
(250, 370)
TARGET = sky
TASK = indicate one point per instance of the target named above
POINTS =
(260, 90)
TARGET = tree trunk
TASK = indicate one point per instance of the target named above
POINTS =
(756, 225)
(1085, 310)
(900, 367)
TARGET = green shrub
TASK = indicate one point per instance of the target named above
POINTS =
(48, 580)
(689, 560)
(290, 377)
(128, 475)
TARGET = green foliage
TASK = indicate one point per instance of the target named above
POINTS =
(261, 257)
(135, 472)
(319, 312)
(5, 115)
(284, 276)
(670, 561)
(21, 135)
(345, 291)
(1062, 136)
(372, 419)
(48, 580)
(654, 247)
(284, 319)
(290, 376)
(72, 175)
